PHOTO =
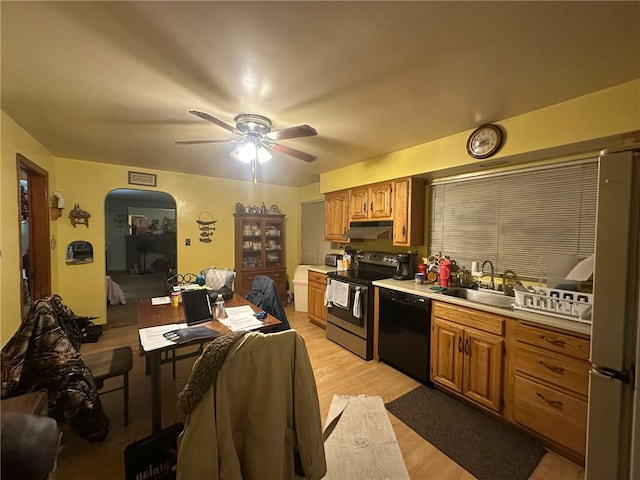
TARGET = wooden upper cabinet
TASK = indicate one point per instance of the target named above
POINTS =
(408, 211)
(336, 216)
(371, 202)
(401, 200)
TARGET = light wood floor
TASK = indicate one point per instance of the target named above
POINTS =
(337, 371)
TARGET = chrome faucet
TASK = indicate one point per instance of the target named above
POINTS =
(492, 285)
(508, 289)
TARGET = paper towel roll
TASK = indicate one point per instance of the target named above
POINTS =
(475, 269)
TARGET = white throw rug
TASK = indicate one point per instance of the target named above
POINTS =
(363, 445)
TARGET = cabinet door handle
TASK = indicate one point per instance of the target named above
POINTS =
(364, 207)
(460, 344)
(404, 230)
(554, 403)
(553, 368)
(371, 207)
(467, 347)
(553, 341)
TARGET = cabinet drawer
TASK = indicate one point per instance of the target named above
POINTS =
(316, 277)
(554, 341)
(566, 372)
(557, 416)
(487, 322)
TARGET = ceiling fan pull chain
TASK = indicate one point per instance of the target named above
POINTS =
(253, 169)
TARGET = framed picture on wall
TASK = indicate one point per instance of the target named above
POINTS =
(139, 224)
(139, 178)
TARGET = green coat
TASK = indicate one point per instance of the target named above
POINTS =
(261, 409)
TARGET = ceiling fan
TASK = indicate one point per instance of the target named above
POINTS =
(257, 136)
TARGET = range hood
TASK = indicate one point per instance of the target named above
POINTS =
(369, 230)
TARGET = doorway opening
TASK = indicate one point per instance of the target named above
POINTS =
(141, 250)
(35, 254)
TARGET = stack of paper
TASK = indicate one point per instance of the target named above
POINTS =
(160, 301)
(241, 318)
(152, 338)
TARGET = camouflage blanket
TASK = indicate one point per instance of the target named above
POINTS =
(44, 353)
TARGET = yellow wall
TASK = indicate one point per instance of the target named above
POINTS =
(88, 183)
(611, 112)
(15, 140)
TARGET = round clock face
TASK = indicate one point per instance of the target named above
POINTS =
(484, 141)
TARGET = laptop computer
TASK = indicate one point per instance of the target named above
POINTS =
(196, 306)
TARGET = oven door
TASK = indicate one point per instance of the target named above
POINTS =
(353, 317)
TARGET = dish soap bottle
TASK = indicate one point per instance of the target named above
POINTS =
(219, 307)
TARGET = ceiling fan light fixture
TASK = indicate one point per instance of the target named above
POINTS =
(263, 154)
(249, 149)
(244, 151)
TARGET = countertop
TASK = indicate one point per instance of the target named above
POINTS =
(409, 286)
(322, 268)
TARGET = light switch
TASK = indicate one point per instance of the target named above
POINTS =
(187, 242)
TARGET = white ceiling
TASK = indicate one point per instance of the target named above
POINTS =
(113, 81)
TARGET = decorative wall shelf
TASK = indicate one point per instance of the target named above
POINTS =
(56, 213)
(79, 216)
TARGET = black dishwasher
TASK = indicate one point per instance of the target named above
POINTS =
(404, 333)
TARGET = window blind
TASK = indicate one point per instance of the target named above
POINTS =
(515, 219)
(314, 246)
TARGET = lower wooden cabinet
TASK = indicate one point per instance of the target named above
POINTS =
(559, 416)
(551, 385)
(242, 284)
(467, 351)
(317, 287)
(536, 377)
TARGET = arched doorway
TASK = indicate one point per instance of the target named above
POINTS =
(141, 247)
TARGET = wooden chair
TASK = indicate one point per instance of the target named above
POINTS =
(112, 363)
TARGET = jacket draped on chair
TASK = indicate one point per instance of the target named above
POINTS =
(252, 403)
(44, 353)
(264, 295)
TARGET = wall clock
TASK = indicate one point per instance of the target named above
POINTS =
(484, 141)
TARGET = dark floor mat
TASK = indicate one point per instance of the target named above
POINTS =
(488, 448)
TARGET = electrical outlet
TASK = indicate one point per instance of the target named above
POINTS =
(187, 242)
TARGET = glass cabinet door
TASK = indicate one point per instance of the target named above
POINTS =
(273, 243)
(251, 244)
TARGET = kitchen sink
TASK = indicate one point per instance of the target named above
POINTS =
(487, 298)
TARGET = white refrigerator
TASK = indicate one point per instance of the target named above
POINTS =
(613, 425)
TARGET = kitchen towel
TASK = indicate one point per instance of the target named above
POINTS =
(338, 294)
(357, 304)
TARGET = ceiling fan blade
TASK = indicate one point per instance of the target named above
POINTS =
(307, 157)
(292, 132)
(214, 120)
(195, 142)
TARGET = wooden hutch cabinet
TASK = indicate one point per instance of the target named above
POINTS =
(259, 250)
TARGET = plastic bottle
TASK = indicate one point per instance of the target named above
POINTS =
(445, 273)
(219, 308)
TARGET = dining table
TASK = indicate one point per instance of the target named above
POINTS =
(164, 314)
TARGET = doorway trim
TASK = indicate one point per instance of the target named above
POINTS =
(39, 269)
